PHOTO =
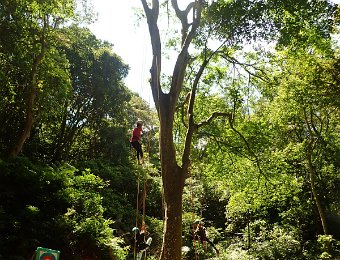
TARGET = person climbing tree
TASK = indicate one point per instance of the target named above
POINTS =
(136, 134)
(141, 243)
(200, 235)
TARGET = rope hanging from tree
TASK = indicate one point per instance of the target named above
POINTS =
(192, 210)
(137, 210)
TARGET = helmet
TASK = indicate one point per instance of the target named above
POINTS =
(197, 221)
(139, 123)
(135, 230)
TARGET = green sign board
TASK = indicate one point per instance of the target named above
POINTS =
(46, 254)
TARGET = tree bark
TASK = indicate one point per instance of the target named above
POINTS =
(173, 182)
(173, 179)
(29, 118)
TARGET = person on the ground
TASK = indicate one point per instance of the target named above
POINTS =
(200, 235)
(141, 243)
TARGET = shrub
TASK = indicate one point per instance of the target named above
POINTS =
(54, 207)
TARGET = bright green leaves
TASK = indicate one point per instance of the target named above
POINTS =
(82, 92)
(262, 163)
(60, 9)
(280, 20)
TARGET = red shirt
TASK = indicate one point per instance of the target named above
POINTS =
(136, 133)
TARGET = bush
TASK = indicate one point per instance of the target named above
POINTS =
(327, 247)
(274, 242)
(53, 207)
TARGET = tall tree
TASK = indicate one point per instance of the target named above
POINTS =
(30, 28)
(98, 93)
(231, 21)
(173, 175)
(307, 88)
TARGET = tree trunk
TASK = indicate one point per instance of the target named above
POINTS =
(173, 192)
(33, 91)
(173, 176)
(312, 172)
(26, 131)
(316, 197)
(173, 182)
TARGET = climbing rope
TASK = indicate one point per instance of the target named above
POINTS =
(138, 202)
(136, 224)
(142, 201)
(192, 209)
(144, 198)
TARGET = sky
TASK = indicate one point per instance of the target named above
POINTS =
(117, 24)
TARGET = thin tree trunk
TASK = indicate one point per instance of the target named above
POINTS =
(312, 171)
(316, 197)
(33, 91)
(26, 131)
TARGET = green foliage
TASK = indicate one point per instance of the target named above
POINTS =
(79, 90)
(328, 247)
(118, 199)
(278, 20)
(258, 165)
(94, 111)
(54, 207)
(31, 62)
(82, 112)
(274, 242)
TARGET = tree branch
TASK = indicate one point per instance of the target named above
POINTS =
(182, 108)
(245, 66)
(192, 127)
(212, 117)
(155, 71)
(257, 161)
(183, 17)
(183, 57)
